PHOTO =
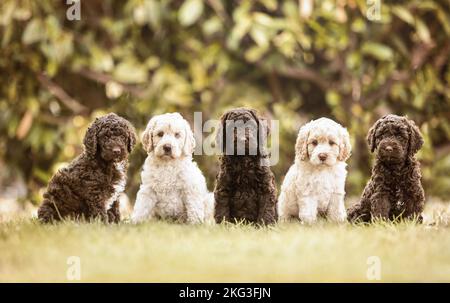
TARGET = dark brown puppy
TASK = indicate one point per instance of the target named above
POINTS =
(89, 187)
(245, 187)
(394, 189)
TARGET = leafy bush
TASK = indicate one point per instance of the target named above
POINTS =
(292, 60)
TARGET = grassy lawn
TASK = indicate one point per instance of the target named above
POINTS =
(164, 252)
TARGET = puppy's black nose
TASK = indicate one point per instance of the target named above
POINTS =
(323, 156)
(167, 148)
(116, 151)
(389, 148)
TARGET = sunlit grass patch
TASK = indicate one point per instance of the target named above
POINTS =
(168, 252)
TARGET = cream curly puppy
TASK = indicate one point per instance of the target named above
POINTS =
(173, 187)
(315, 183)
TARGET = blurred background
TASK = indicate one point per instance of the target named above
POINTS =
(349, 60)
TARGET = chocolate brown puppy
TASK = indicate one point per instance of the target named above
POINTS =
(88, 188)
(245, 186)
(394, 189)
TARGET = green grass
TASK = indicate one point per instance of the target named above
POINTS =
(164, 252)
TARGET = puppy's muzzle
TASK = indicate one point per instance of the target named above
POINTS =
(116, 151)
(167, 148)
(389, 147)
(390, 150)
(323, 157)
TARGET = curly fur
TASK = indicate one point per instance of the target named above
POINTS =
(245, 188)
(394, 189)
(315, 183)
(173, 187)
(89, 187)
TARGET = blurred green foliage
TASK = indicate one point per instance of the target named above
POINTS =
(291, 60)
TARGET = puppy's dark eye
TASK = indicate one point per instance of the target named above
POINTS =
(332, 142)
(160, 134)
(314, 142)
(177, 135)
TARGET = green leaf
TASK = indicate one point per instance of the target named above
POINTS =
(333, 98)
(255, 53)
(286, 44)
(271, 5)
(358, 26)
(263, 19)
(130, 72)
(404, 14)
(7, 34)
(34, 32)
(353, 60)
(190, 12)
(198, 74)
(239, 31)
(378, 51)
(422, 31)
(101, 60)
(259, 35)
(154, 12)
(212, 26)
(444, 18)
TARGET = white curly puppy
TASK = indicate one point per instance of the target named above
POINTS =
(315, 183)
(173, 187)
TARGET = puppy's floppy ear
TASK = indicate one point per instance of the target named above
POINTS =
(301, 146)
(131, 136)
(266, 124)
(263, 129)
(261, 125)
(189, 140)
(371, 136)
(221, 132)
(345, 148)
(254, 114)
(147, 135)
(90, 139)
(415, 137)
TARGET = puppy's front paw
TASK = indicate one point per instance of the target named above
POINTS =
(137, 218)
(339, 216)
(269, 220)
(308, 218)
(219, 219)
(114, 213)
(308, 214)
(283, 219)
(195, 219)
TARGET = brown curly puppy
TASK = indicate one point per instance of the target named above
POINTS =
(88, 188)
(394, 190)
(245, 186)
